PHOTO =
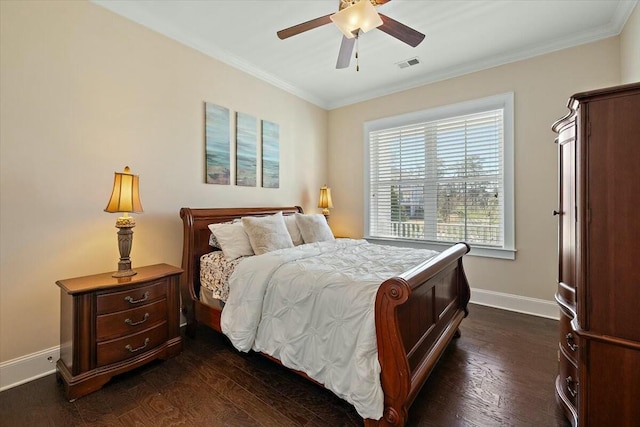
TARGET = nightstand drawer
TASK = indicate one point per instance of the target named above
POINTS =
(131, 345)
(132, 298)
(127, 322)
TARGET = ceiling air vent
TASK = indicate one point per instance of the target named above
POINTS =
(408, 63)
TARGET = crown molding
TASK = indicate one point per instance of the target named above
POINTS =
(613, 28)
(132, 11)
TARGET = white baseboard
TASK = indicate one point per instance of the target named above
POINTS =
(519, 304)
(37, 365)
(28, 368)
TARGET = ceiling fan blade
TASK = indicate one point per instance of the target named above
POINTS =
(381, 2)
(346, 49)
(305, 26)
(400, 31)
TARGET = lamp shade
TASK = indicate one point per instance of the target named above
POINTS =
(325, 198)
(360, 16)
(125, 196)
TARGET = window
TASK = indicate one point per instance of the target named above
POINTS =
(443, 175)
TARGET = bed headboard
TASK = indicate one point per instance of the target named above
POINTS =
(196, 233)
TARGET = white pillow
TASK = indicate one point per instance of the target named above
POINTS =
(267, 233)
(233, 240)
(292, 228)
(314, 228)
(213, 242)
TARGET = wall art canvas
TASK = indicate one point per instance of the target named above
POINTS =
(246, 146)
(218, 144)
(270, 155)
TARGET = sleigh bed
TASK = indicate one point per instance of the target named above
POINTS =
(417, 313)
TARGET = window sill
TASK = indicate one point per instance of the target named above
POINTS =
(480, 251)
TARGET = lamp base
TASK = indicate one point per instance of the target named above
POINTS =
(325, 212)
(124, 269)
(125, 241)
(124, 273)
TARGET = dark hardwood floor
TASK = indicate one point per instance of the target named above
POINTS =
(499, 373)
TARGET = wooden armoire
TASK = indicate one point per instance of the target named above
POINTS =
(598, 381)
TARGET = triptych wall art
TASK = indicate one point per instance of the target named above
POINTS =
(249, 132)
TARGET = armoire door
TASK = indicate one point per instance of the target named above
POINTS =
(567, 213)
(613, 207)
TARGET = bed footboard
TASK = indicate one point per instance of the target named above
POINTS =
(417, 315)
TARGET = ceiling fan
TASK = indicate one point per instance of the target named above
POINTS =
(353, 18)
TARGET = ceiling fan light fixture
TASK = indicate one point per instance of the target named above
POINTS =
(360, 16)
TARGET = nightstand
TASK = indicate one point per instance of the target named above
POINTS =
(112, 325)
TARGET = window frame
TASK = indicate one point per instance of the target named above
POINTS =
(504, 101)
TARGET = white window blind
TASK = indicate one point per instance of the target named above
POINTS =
(440, 180)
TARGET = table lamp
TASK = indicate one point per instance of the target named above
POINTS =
(125, 198)
(325, 201)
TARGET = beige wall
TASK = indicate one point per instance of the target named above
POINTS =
(630, 48)
(86, 92)
(542, 86)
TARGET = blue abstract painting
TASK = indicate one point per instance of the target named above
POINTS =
(218, 144)
(246, 147)
(270, 155)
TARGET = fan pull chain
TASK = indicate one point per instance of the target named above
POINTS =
(357, 56)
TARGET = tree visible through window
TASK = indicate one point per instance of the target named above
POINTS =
(441, 180)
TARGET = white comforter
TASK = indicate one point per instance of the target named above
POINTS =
(312, 307)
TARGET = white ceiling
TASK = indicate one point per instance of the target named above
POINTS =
(462, 36)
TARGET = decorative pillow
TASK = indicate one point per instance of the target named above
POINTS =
(267, 233)
(213, 242)
(314, 228)
(292, 228)
(232, 239)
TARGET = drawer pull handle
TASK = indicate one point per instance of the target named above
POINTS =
(571, 386)
(146, 341)
(556, 213)
(132, 323)
(570, 343)
(137, 301)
